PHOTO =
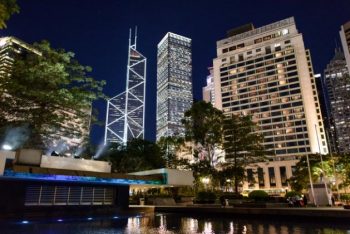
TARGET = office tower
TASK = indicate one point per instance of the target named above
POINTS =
(208, 91)
(125, 118)
(174, 84)
(69, 136)
(337, 84)
(345, 41)
(267, 73)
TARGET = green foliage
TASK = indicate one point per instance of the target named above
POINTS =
(169, 147)
(136, 155)
(242, 145)
(203, 127)
(206, 197)
(46, 91)
(345, 197)
(300, 179)
(7, 8)
(258, 195)
(292, 194)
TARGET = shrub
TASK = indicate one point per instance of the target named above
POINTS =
(258, 195)
(345, 197)
(292, 194)
(205, 197)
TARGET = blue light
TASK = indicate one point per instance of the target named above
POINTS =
(89, 218)
(59, 220)
(115, 217)
(25, 222)
(89, 179)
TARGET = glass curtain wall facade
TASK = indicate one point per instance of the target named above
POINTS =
(174, 84)
(337, 84)
(267, 73)
(126, 111)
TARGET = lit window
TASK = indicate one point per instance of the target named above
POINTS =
(285, 31)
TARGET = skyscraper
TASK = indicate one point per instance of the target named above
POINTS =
(174, 83)
(208, 91)
(337, 84)
(345, 41)
(267, 73)
(125, 118)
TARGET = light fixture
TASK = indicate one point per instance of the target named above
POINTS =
(7, 147)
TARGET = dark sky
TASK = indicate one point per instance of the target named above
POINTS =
(97, 31)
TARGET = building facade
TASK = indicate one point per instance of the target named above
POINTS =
(125, 118)
(208, 91)
(345, 41)
(267, 73)
(337, 84)
(174, 84)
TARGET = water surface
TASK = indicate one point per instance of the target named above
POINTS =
(169, 223)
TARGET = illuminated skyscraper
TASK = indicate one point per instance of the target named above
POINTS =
(337, 83)
(345, 41)
(125, 116)
(266, 72)
(174, 83)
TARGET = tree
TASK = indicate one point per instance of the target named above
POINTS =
(242, 144)
(7, 8)
(46, 90)
(136, 155)
(170, 147)
(300, 179)
(203, 127)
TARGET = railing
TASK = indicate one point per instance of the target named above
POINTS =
(43, 195)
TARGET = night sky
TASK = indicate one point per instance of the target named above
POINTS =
(97, 31)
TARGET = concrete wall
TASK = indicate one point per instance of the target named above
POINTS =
(74, 164)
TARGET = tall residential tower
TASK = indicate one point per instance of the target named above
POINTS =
(125, 118)
(174, 84)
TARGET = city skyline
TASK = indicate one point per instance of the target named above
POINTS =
(108, 59)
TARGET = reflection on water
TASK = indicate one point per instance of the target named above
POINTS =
(170, 223)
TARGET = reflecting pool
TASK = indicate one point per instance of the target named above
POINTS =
(169, 223)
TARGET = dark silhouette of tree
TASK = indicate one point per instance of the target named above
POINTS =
(242, 145)
(7, 8)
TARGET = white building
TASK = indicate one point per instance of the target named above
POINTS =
(208, 91)
(267, 73)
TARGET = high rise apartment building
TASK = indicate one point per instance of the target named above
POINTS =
(174, 84)
(337, 84)
(125, 117)
(345, 41)
(267, 73)
(208, 91)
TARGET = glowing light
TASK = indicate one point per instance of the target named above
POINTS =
(115, 217)
(59, 220)
(25, 222)
(7, 147)
(205, 180)
(89, 218)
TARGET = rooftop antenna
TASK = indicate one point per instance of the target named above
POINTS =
(135, 36)
(129, 37)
